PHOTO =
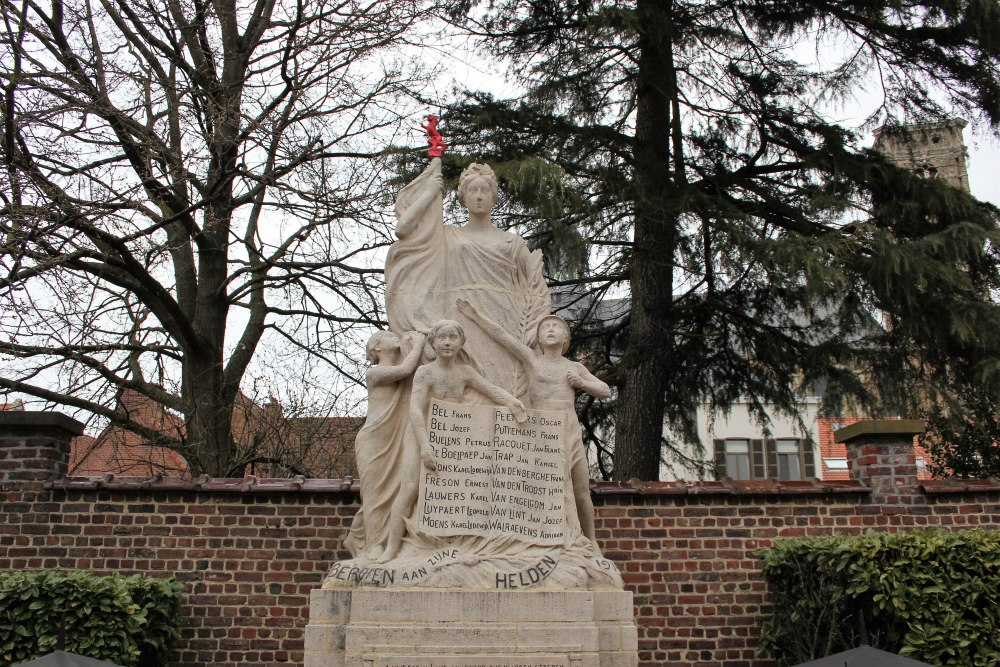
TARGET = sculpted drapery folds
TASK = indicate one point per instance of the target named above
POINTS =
(384, 450)
(432, 264)
(485, 494)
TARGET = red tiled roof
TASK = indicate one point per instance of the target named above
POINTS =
(16, 406)
(311, 446)
(123, 452)
(332, 443)
(314, 446)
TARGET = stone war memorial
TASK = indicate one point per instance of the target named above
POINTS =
(474, 545)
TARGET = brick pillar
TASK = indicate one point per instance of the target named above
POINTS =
(880, 455)
(35, 445)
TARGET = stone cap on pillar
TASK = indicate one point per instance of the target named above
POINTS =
(40, 419)
(880, 427)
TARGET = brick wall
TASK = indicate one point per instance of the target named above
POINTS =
(250, 551)
(248, 559)
(249, 556)
(35, 445)
(692, 560)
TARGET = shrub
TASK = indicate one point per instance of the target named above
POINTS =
(125, 620)
(931, 595)
(159, 604)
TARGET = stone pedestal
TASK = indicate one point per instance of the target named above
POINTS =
(459, 628)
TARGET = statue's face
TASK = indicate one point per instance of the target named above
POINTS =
(448, 341)
(551, 332)
(479, 197)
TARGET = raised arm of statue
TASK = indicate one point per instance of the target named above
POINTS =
(382, 374)
(420, 203)
(415, 265)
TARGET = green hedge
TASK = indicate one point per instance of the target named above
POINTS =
(125, 620)
(930, 595)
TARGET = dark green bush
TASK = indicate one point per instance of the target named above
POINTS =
(159, 602)
(931, 595)
(125, 620)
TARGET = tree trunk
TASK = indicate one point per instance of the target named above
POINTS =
(209, 448)
(209, 395)
(648, 351)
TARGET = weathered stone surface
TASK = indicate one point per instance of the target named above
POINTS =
(484, 607)
(475, 544)
(474, 628)
(493, 475)
(472, 661)
(473, 471)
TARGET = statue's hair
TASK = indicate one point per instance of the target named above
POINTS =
(560, 321)
(441, 324)
(473, 171)
(374, 344)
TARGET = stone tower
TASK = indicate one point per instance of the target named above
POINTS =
(933, 150)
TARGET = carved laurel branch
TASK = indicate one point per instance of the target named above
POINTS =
(536, 304)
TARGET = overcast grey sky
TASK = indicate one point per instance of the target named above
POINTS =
(984, 168)
(462, 67)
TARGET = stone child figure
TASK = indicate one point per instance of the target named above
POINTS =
(553, 381)
(447, 380)
(384, 448)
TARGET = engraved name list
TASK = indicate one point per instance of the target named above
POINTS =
(494, 475)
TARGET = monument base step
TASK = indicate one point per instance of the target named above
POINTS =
(458, 628)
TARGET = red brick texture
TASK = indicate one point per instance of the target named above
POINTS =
(34, 445)
(250, 551)
(250, 554)
(830, 449)
(248, 560)
(319, 446)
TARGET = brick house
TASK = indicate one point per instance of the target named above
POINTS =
(283, 446)
(740, 450)
(735, 443)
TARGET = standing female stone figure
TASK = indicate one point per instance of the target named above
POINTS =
(432, 264)
(385, 449)
(430, 267)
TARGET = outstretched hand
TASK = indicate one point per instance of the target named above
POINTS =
(520, 414)
(466, 308)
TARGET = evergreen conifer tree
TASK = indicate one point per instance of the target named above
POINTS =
(763, 247)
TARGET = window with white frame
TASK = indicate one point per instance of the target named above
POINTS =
(787, 459)
(738, 459)
(789, 456)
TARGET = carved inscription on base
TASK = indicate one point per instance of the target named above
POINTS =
(494, 475)
(472, 661)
